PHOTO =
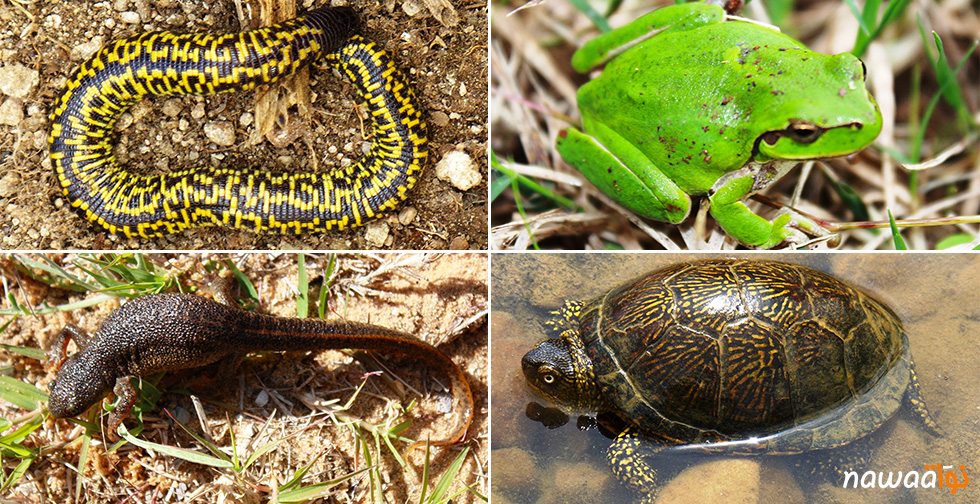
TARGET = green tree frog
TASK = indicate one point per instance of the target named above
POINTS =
(694, 103)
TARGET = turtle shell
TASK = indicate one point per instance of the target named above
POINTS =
(724, 350)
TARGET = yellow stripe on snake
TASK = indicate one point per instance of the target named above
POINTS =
(162, 63)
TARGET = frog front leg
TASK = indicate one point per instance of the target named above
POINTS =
(624, 173)
(747, 227)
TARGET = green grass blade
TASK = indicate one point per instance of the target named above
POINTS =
(20, 394)
(303, 286)
(439, 492)
(243, 280)
(953, 240)
(317, 490)
(530, 184)
(262, 450)
(12, 439)
(83, 452)
(188, 455)
(33, 353)
(896, 236)
(499, 185)
(595, 16)
(17, 473)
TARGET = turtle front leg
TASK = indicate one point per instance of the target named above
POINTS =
(627, 456)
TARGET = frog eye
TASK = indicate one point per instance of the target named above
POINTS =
(804, 133)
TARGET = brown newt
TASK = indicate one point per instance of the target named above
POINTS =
(167, 332)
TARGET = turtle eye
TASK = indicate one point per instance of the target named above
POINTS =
(548, 375)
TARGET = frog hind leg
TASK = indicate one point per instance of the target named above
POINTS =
(622, 172)
(607, 46)
(746, 226)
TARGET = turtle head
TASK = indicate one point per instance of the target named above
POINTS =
(559, 371)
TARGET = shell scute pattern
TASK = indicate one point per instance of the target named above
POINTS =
(736, 347)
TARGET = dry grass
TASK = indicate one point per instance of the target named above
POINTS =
(533, 98)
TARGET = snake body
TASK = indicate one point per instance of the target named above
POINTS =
(162, 63)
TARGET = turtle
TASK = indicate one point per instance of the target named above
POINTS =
(734, 357)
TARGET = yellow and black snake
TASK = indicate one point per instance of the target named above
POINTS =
(163, 63)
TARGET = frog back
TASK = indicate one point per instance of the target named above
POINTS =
(697, 101)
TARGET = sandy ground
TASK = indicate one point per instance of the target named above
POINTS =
(446, 64)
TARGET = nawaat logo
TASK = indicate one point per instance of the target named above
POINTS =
(934, 476)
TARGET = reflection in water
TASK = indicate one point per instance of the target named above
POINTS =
(935, 295)
(551, 418)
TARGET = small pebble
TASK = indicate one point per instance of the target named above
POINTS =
(86, 50)
(376, 233)
(18, 80)
(515, 472)
(172, 107)
(262, 398)
(11, 112)
(198, 111)
(220, 132)
(737, 479)
(459, 243)
(458, 169)
(52, 21)
(125, 121)
(182, 415)
(10, 184)
(439, 119)
(412, 8)
(407, 215)
(129, 17)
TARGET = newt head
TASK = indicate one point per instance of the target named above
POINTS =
(77, 386)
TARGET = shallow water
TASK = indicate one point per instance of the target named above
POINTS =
(936, 295)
